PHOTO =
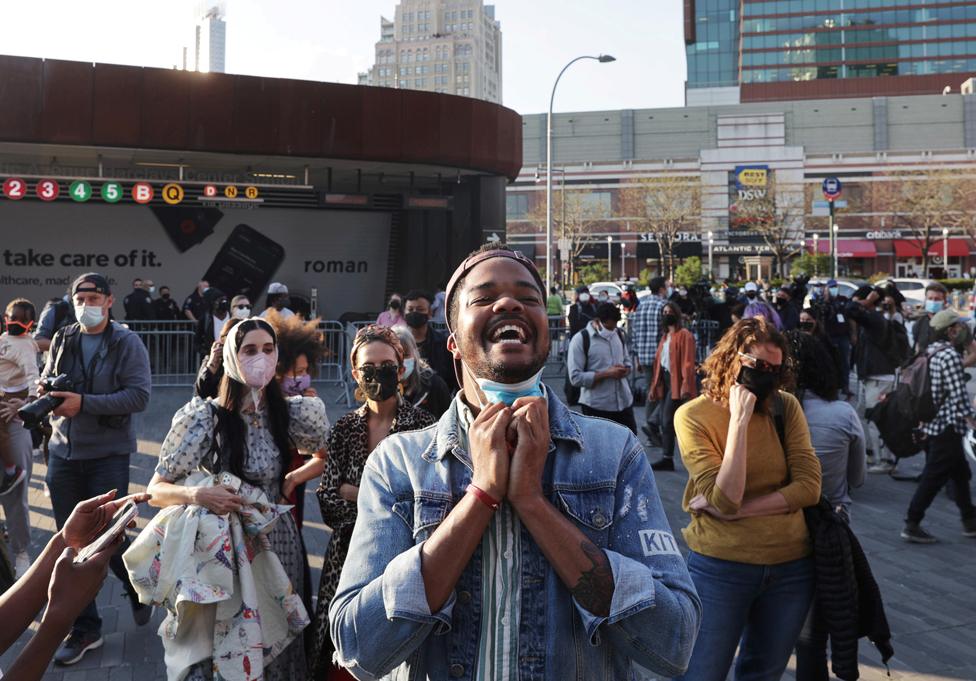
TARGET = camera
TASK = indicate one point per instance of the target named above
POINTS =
(33, 413)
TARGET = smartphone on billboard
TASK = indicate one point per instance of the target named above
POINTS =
(115, 527)
(187, 226)
(245, 263)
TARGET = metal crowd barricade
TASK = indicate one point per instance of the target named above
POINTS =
(334, 367)
(558, 342)
(706, 335)
(173, 355)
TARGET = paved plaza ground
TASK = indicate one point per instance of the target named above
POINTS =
(929, 591)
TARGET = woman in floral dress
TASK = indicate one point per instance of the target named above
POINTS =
(247, 430)
(377, 361)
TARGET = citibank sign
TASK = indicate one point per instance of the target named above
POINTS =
(895, 234)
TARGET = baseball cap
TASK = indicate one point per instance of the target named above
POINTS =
(277, 287)
(751, 286)
(946, 318)
(831, 282)
(91, 282)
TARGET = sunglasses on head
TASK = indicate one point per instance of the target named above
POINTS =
(761, 364)
(368, 371)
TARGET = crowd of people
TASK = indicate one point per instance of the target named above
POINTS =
(477, 525)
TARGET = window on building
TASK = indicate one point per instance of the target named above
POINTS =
(598, 202)
(516, 206)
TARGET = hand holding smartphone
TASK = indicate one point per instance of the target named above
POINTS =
(112, 531)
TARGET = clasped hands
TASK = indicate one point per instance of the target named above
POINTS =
(509, 446)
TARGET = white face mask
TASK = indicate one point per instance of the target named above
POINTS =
(152, 289)
(584, 297)
(89, 316)
(670, 292)
(408, 367)
(605, 332)
(242, 312)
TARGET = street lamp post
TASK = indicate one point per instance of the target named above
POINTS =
(610, 256)
(623, 265)
(836, 258)
(603, 59)
(945, 252)
(711, 242)
(816, 254)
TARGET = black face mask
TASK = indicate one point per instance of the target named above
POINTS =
(750, 294)
(807, 326)
(16, 328)
(222, 306)
(380, 384)
(165, 296)
(394, 304)
(415, 320)
(670, 320)
(759, 383)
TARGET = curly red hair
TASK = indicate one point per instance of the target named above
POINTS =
(721, 370)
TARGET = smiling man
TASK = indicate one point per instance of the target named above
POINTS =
(514, 539)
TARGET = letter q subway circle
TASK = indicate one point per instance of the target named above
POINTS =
(173, 194)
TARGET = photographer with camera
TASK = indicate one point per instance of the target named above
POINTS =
(96, 377)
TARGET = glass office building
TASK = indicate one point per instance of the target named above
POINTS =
(777, 46)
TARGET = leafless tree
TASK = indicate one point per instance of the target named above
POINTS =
(777, 216)
(575, 214)
(923, 204)
(664, 207)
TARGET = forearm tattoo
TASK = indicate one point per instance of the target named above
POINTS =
(594, 590)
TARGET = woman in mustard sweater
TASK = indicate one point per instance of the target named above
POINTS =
(750, 553)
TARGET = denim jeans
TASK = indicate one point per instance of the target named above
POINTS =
(760, 608)
(72, 481)
(16, 441)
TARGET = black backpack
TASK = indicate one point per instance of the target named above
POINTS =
(903, 408)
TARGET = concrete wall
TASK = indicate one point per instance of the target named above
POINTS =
(913, 123)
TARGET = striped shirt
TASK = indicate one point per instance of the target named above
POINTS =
(501, 577)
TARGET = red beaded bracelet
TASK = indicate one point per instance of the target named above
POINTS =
(483, 497)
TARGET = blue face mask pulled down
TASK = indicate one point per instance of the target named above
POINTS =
(933, 306)
(509, 392)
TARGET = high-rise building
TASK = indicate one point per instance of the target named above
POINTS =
(765, 50)
(210, 38)
(447, 46)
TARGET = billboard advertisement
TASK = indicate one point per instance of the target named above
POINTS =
(343, 254)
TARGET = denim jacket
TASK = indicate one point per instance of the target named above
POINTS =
(597, 474)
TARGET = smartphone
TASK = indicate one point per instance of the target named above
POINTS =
(245, 263)
(116, 526)
(187, 226)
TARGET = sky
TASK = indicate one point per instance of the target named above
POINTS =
(333, 40)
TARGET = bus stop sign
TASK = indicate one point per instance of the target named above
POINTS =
(831, 188)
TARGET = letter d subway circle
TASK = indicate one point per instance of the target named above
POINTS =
(172, 194)
(142, 192)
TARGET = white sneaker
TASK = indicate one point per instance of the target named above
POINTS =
(22, 563)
